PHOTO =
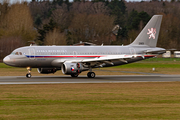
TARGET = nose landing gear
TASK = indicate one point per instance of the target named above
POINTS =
(28, 75)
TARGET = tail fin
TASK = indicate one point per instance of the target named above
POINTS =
(149, 35)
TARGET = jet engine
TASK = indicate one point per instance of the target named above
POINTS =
(72, 68)
(46, 70)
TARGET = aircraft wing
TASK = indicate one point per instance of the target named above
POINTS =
(108, 58)
(98, 61)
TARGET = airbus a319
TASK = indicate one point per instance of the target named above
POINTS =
(73, 60)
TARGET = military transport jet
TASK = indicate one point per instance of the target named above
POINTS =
(73, 60)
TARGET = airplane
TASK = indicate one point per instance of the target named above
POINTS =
(73, 60)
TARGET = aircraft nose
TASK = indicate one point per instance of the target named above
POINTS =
(6, 59)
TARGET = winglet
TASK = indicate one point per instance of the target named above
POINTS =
(149, 35)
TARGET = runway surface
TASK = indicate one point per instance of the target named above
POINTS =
(84, 79)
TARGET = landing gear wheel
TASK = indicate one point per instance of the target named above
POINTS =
(91, 74)
(74, 75)
(28, 75)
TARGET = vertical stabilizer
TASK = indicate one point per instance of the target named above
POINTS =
(149, 34)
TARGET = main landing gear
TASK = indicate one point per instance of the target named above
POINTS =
(91, 74)
(74, 75)
(28, 75)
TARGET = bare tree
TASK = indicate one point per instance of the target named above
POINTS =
(62, 17)
(55, 38)
(89, 8)
(154, 7)
(78, 28)
(93, 28)
(8, 44)
(16, 27)
(99, 8)
(169, 32)
(81, 7)
(18, 22)
(91, 23)
(100, 26)
(41, 8)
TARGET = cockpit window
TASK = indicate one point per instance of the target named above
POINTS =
(16, 53)
(12, 53)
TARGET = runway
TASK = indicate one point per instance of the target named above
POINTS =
(83, 79)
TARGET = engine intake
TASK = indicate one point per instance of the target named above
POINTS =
(72, 68)
(46, 70)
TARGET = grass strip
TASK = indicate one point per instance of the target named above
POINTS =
(91, 101)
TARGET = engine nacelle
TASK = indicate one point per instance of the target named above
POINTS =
(72, 68)
(46, 70)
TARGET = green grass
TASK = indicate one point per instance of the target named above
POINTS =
(162, 59)
(2, 65)
(154, 62)
(132, 101)
(150, 65)
(91, 101)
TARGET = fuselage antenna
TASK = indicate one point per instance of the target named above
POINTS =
(32, 43)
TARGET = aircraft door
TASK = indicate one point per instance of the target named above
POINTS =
(31, 53)
(74, 54)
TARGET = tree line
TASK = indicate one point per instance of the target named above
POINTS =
(60, 22)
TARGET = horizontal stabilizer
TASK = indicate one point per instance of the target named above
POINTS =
(156, 51)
